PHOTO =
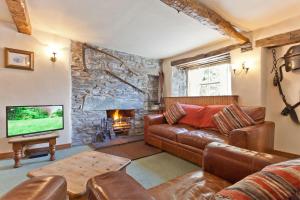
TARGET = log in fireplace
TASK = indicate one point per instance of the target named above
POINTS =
(122, 120)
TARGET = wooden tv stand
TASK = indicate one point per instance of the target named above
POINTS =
(19, 142)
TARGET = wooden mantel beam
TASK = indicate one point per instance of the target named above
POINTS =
(207, 16)
(19, 13)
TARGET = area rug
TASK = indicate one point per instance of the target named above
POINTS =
(133, 150)
(117, 141)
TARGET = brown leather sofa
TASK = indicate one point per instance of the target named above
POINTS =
(189, 143)
(223, 165)
(39, 188)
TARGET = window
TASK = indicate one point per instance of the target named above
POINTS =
(210, 81)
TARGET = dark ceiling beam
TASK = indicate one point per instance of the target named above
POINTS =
(207, 16)
(19, 13)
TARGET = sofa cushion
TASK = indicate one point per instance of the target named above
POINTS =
(232, 117)
(206, 120)
(280, 181)
(200, 138)
(174, 113)
(193, 115)
(191, 186)
(169, 131)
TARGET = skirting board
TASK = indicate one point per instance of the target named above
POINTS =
(285, 154)
(9, 155)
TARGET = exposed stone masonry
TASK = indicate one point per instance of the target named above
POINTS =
(95, 89)
(179, 82)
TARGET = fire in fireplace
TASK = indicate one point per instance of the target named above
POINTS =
(122, 120)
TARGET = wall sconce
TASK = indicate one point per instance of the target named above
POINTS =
(244, 68)
(53, 51)
(53, 58)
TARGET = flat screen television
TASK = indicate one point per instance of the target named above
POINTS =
(26, 120)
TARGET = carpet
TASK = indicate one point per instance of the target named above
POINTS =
(10, 177)
(149, 171)
(132, 150)
(159, 168)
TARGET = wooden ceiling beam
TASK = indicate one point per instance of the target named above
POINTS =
(279, 40)
(207, 16)
(19, 13)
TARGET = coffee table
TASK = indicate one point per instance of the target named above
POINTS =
(78, 169)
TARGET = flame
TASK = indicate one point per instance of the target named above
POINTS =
(116, 115)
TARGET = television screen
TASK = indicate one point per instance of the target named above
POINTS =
(23, 120)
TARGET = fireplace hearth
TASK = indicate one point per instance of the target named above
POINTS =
(122, 120)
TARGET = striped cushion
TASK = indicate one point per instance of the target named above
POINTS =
(230, 118)
(174, 113)
(275, 182)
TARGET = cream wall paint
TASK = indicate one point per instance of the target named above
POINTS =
(49, 83)
(287, 133)
(256, 88)
(250, 83)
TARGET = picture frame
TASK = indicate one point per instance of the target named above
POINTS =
(19, 59)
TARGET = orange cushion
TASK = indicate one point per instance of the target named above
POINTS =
(193, 115)
(206, 119)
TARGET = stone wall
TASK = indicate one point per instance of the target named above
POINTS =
(179, 82)
(105, 83)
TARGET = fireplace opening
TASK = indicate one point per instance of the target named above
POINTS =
(122, 120)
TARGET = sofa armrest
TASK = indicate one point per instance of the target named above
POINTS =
(233, 163)
(259, 137)
(37, 188)
(152, 120)
(116, 185)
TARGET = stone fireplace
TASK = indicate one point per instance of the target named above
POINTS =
(110, 81)
(122, 120)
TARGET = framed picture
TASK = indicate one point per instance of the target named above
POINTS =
(19, 59)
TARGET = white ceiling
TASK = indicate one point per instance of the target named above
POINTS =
(144, 27)
(147, 27)
(4, 13)
(255, 14)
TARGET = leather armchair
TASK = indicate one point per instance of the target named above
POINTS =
(233, 163)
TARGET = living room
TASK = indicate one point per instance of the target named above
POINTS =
(166, 99)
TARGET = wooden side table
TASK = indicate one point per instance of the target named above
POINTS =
(18, 144)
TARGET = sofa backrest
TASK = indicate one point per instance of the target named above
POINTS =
(257, 113)
(202, 101)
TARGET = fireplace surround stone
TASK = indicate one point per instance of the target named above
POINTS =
(95, 90)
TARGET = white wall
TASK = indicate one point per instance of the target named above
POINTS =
(251, 82)
(256, 87)
(287, 133)
(49, 83)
